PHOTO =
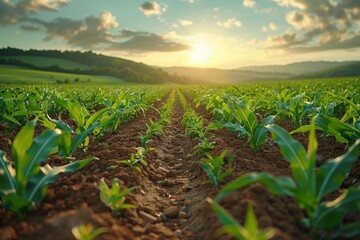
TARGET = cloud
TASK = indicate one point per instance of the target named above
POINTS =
(8, 12)
(89, 33)
(36, 5)
(231, 22)
(320, 25)
(249, 3)
(152, 8)
(30, 28)
(270, 27)
(12, 13)
(184, 22)
(93, 33)
(146, 42)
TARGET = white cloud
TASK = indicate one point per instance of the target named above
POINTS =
(108, 21)
(35, 5)
(231, 22)
(320, 25)
(249, 3)
(184, 22)
(270, 27)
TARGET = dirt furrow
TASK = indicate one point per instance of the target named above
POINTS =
(173, 182)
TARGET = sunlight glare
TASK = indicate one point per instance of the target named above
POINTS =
(200, 53)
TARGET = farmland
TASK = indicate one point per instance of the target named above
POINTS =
(20, 75)
(187, 159)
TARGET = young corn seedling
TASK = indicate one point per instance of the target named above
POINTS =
(86, 125)
(345, 130)
(114, 197)
(308, 185)
(138, 157)
(247, 124)
(213, 166)
(297, 108)
(86, 232)
(153, 129)
(250, 230)
(23, 186)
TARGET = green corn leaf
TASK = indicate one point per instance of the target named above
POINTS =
(234, 127)
(260, 132)
(76, 111)
(247, 117)
(16, 204)
(37, 184)
(11, 119)
(304, 128)
(95, 117)
(331, 175)
(294, 152)
(104, 191)
(43, 145)
(82, 136)
(125, 192)
(331, 214)
(251, 223)
(7, 174)
(209, 171)
(342, 131)
(311, 156)
(231, 226)
(22, 143)
(348, 230)
(65, 144)
(20, 113)
(276, 185)
(60, 124)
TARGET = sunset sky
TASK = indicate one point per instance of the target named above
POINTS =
(200, 33)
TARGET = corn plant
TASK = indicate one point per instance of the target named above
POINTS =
(250, 230)
(157, 128)
(247, 124)
(298, 108)
(86, 232)
(194, 127)
(114, 197)
(153, 129)
(137, 157)
(23, 186)
(342, 131)
(213, 166)
(86, 125)
(308, 185)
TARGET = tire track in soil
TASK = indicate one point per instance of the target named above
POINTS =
(172, 187)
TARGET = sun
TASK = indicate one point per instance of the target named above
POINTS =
(200, 53)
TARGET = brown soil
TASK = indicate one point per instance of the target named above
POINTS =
(171, 201)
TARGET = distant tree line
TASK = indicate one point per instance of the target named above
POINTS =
(98, 65)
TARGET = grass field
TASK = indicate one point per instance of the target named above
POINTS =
(12, 74)
(47, 61)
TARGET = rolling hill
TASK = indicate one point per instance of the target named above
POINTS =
(213, 75)
(88, 63)
(299, 68)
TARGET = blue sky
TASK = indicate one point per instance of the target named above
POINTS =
(203, 33)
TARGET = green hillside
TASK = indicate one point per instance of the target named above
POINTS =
(91, 64)
(48, 61)
(11, 74)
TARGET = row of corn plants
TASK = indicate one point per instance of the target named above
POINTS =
(154, 129)
(218, 167)
(24, 178)
(308, 185)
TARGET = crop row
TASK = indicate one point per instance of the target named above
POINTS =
(252, 113)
